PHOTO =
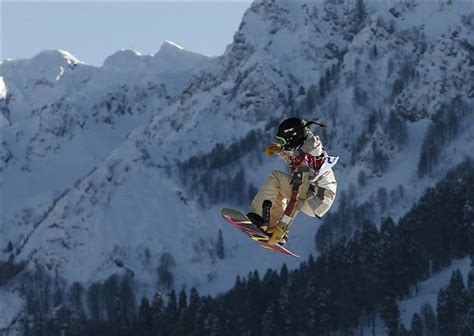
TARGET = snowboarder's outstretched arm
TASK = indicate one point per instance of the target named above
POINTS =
(277, 149)
(273, 148)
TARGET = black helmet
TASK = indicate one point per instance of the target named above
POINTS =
(292, 132)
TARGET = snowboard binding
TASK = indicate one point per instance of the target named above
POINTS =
(263, 222)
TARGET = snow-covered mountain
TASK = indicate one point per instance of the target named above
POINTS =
(62, 118)
(123, 168)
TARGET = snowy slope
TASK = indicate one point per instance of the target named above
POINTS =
(106, 169)
(428, 290)
(427, 294)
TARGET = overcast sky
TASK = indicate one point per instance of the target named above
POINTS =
(91, 31)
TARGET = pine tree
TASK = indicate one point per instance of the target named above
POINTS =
(171, 314)
(429, 155)
(269, 325)
(111, 297)
(445, 314)
(311, 312)
(194, 301)
(283, 274)
(379, 159)
(452, 305)
(403, 331)
(157, 315)
(322, 88)
(388, 245)
(430, 322)
(468, 322)
(127, 298)
(360, 97)
(287, 323)
(362, 178)
(199, 318)
(370, 261)
(470, 286)
(213, 325)
(220, 246)
(397, 129)
(188, 314)
(145, 321)
(416, 325)
(468, 218)
(93, 300)
(75, 296)
(9, 247)
(57, 296)
(182, 301)
(372, 122)
(311, 98)
(317, 316)
(459, 299)
(165, 275)
(375, 52)
(361, 11)
(123, 321)
(391, 315)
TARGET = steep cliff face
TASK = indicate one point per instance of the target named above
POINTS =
(106, 170)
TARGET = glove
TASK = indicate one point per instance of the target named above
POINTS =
(272, 149)
(276, 234)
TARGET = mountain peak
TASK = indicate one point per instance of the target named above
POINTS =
(173, 56)
(171, 45)
(56, 56)
(124, 58)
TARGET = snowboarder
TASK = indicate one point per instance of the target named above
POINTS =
(311, 188)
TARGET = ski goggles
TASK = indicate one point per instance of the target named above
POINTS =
(281, 141)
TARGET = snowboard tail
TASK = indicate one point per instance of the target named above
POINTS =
(241, 222)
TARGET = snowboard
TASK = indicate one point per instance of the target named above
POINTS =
(241, 222)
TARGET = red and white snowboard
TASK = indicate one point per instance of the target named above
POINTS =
(241, 222)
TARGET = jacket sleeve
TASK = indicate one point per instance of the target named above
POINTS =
(286, 156)
(313, 145)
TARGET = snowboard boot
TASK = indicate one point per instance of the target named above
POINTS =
(261, 221)
(266, 207)
(256, 219)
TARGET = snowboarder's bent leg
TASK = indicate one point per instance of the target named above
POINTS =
(322, 196)
(277, 189)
